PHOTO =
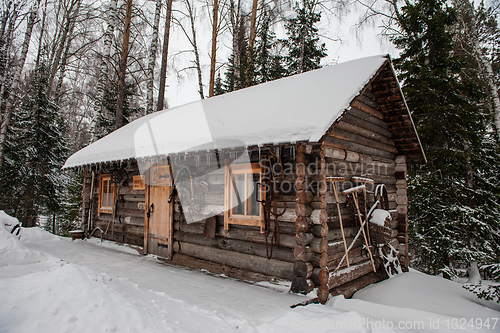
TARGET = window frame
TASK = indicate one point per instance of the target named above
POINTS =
(242, 219)
(111, 189)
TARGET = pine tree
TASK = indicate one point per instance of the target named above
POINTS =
(454, 207)
(304, 48)
(36, 151)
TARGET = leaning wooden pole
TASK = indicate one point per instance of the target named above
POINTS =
(362, 223)
(334, 181)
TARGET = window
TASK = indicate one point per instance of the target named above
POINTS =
(240, 195)
(106, 194)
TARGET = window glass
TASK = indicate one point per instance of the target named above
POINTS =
(238, 194)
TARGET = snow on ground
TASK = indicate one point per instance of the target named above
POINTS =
(51, 284)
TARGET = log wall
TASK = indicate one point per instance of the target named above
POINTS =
(127, 226)
(361, 145)
(241, 251)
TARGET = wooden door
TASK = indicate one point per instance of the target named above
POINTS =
(159, 229)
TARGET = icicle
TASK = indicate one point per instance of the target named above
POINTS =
(197, 160)
(209, 155)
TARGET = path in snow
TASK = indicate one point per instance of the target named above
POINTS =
(51, 284)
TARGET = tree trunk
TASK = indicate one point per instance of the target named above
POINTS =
(17, 77)
(103, 69)
(195, 48)
(42, 33)
(68, 22)
(6, 44)
(152, 57)
(163, 72)
(235, 25)
(484, 64)
(251, 41)
(123, 67)
(214, 48)
(64, 58)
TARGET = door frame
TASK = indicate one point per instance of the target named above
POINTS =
(170, 240)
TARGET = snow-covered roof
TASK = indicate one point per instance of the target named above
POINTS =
(296, 108)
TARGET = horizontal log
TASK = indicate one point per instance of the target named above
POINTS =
(303, 210)
(351, 119)
(127, 212)
(358, 111)
(320, 276)
(302, 253)
(246, 275)
(349, 274)
(133, 220)
(304, 238)
(196, 263)
(352, 146)
(368, 99)
(255, 236)
(350, 288)
(302, 224)
(334, 153)
(344, 135)
(320, 230)
(236, 246)
(319, 245)
(304, 197)
(301, 285)
(338, 246)
(132, 197)
(319, 259)
(355, 256)
(248, 262)
(322, 294)
(367, 133)
(336, 234)
(303, 269)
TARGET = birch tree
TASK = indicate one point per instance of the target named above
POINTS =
(17, 77)
(70, 13)
(103, 68)
(469, 34)
(152, 57)
(190, 14)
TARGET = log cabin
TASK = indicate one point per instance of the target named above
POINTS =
(300, 179)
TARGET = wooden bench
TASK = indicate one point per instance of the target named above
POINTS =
(76, 234)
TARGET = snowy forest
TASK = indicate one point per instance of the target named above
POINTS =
(72, 71)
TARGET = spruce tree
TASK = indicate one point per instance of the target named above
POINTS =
(36, 151)
(268, 61)
(454, 208)
(304, 48)
(105, 123)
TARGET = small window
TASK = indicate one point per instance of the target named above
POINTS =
(242, 192)
(106, 194)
